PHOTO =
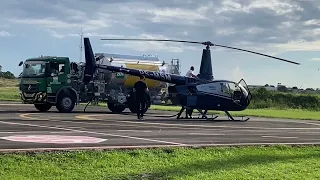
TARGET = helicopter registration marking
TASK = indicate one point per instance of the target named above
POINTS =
(208, 88)
(159, 75)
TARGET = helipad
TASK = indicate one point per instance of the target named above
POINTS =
(55, 139)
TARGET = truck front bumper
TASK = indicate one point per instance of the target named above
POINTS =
(31, 98)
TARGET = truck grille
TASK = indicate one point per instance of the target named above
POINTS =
(29, 88)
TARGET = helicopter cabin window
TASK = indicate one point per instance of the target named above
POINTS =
(233, 87)
(229, 88)
(225, 88)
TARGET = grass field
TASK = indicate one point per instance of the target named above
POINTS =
(9, 94)
(9, 90)
(278, 162)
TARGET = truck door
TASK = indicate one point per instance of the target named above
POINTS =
(57, 77)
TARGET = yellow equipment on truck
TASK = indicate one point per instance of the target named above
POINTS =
(119, 85)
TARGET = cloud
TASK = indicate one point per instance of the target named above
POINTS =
(237, 74)
(5, 34)
(273, 26)
(315, 59)
(300, 46)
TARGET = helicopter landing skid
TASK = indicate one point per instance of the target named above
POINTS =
(232, 119)
(203, 114)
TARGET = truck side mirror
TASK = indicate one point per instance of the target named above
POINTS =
(21, 62)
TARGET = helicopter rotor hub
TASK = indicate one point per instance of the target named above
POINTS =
(208, 43)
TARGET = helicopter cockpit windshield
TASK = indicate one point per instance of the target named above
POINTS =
(237, 91)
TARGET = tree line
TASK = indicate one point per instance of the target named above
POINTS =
(262, 98)
(7, 75)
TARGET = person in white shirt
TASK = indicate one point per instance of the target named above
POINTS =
(190, 73)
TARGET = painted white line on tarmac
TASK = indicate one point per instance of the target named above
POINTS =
(91, 132)
(132, 130)
(205, 134)
(17, 132)
(89, 117)
(280, 137)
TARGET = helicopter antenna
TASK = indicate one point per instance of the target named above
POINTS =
(81, 46)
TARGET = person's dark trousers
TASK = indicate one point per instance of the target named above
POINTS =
(141, 105)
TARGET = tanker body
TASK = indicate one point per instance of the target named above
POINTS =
(119, 86)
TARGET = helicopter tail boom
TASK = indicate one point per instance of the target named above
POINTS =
(168, 78)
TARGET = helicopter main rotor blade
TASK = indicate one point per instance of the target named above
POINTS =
(164, 40)
(207, 43)
(257, 53)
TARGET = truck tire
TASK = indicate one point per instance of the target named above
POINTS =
(43, 107)
(65, 102)
(116, 108)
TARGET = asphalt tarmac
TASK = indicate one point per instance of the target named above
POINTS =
(23, 128)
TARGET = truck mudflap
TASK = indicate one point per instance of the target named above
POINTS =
(33, 97)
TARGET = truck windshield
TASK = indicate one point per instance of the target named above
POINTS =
(33, 69)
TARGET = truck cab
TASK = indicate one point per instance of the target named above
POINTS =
(44, 80)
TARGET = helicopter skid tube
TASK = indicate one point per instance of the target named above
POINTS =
(203, 115)
(231, 118)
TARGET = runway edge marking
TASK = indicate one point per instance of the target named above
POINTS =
(91, 132)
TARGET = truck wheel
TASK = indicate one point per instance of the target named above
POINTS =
(43, 107)
(65, 103)
(117, 108)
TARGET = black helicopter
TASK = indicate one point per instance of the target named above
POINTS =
(202, 93)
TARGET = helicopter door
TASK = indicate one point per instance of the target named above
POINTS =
(244, 85)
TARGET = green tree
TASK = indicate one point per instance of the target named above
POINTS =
(7, 75)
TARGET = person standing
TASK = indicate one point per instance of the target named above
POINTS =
(141, 89)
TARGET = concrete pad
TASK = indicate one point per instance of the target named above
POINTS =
(124, 131)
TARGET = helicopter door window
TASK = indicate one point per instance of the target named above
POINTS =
(233, 88)
(235, 91)
(225, 88)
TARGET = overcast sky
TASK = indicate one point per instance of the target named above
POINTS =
(283, 28)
